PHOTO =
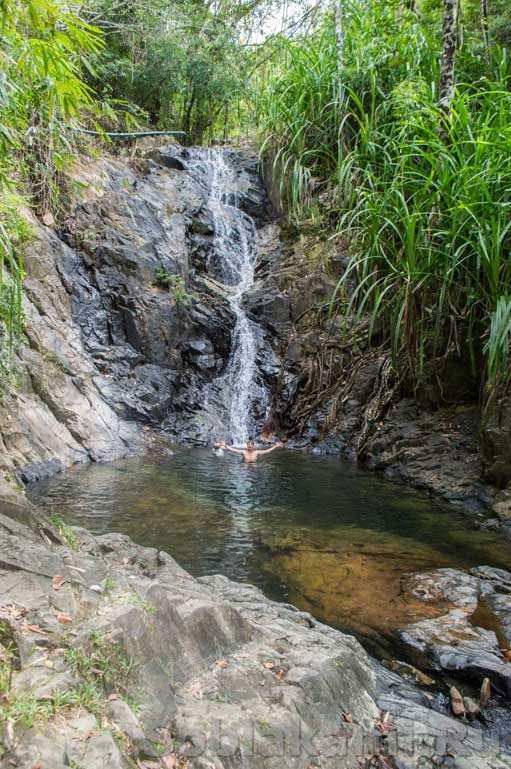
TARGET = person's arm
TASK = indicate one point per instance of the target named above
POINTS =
(233, 450)
(223, 445)
(278, 445)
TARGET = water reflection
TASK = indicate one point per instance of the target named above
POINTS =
(314, 530)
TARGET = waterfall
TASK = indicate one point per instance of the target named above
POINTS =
(235, 249)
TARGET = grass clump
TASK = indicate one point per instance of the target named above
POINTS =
(65, 531)
(101, 662)
(24, 707)
(423, 197)
(14, 234)
(175, 285)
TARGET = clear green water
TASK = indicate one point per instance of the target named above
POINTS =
(316, 531)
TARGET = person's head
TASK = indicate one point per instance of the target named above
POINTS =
(250, 445)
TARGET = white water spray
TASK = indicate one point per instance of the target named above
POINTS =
(236, 248)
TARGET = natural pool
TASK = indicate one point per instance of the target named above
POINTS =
(315, 531)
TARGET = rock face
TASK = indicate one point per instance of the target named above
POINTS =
(119, 658)
(128, 327)
(127, 322)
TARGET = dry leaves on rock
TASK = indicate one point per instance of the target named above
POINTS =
(196, 692)
(63, 617)
(173, 761)
(33, 629)
(378, 761)
(57, 581)
(384, 725)
(277, 670)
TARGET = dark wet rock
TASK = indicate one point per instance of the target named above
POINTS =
(310, 292)
(422, 718)
(268, 304)
(464, 640)
(437, 452)
(502, 504)
(38, 471)
(117, 309)
(496, 441)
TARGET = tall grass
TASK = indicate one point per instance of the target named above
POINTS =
(424, 199)
(44, 46)
(14, 232)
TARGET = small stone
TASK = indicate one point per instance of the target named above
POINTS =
(457, 703)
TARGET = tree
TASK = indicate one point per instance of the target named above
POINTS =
(449, 45)
(484, 27)
(339, 38)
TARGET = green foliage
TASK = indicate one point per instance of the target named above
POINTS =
(14, 234)
(101, 663)
(65, 531)
(24, 708)
(180, 63)
(43, 53)
(175, 284)
(424, 199)
(43, 48)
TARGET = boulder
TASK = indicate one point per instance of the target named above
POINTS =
(459, 643)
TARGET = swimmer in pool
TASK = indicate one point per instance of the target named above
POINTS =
(250, 454)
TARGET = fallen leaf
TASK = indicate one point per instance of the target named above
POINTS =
(63, 618)
(384, 725)
(196, 691)
(171, 761)
(268, 665)
(57, 581)
(33, 629)
(222, 663)
(347, 717)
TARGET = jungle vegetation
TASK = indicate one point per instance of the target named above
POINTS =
(387, 122)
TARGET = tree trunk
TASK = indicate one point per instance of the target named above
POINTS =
(400, 9)
(339, 42)
(450, 40)
(484, 27)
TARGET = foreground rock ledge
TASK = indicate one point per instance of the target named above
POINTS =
(122, 659)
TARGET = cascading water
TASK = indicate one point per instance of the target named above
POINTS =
(235, 249)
